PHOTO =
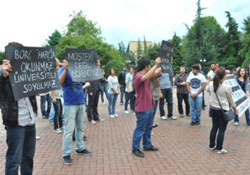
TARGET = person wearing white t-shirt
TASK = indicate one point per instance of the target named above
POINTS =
(211, 74)
(195, 85)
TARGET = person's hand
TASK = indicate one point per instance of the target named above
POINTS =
(118, 92)
(65, 64)
(54, 100)
(193, 96)
(87, 84)
(158, 61)
(235, 110)
(183, 83)
(6, 67)
(160, 95)
(158, 71)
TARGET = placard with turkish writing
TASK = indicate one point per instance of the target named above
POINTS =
(239, 96)
(33, 70)
(82, 65)
(165, 53)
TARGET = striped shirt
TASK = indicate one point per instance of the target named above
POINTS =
(26, 114)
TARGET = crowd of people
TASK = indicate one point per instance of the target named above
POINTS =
(141, 88)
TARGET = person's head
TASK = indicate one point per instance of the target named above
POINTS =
(182, 69)
(220, 76)
(195, 69)
(111, 71)
(131, 70)
(124, 68)
(242, 73)
(200, 66)
(98, 63)
(143, 65)
(103, 72)
(212, 66)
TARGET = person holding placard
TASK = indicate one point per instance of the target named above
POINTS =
(74, 107)
(19, 117)
(244, 84)
(144, 106)
(56, 96)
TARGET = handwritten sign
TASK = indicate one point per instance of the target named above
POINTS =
(239, 96)
(33, 70)
(165, 53)
(82, 65)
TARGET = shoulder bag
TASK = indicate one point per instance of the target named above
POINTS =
(228, 115)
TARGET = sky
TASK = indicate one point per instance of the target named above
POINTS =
(30, 22)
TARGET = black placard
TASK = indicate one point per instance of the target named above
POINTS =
(33, 70)
(82, 65)
(166, 53)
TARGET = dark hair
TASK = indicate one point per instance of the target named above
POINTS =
(142, 64)
(238, 73)
(196, 67)
(219, 75)
(111, 70)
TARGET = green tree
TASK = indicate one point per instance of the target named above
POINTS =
(152, 51)
(177, 54)
(53, 39)
(139, 49)
(83, 33)
(203, 42)
(233, 44)
(145, 44)
(1, 56)
(245, 51)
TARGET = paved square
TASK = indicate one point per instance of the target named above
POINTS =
(183, 148)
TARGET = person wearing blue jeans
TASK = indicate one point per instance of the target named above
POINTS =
(144, 106)
(112, 104)
(195, 106)
(19, 118)
(195, 86)
(113, 92)
(45, 98)
(74, 107)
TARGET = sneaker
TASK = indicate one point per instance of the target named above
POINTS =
(181, 115)
(112, 116)
(152, 148)
(101, 119)
(126, 112)
(93, 121)
(67, 160)
(213, 148)
(173, 118)
(58, 130)
(116, 115)
(38, 137)
(236, 123)
(163, 117)
(222, 151)
(84, 138)
(197, 123)
(103, 103)
(138, 153)
(192, 123)
(154, 125)
(84, 152)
